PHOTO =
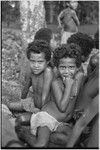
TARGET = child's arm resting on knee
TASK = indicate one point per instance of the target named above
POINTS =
(80, 125)
(62, 98)
(48, 76)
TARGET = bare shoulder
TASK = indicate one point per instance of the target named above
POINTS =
(48, 72)
(79, 74)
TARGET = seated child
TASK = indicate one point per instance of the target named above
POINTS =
(47, 35)
(65, 88)
(39, 77)
(87, 44)
(87, 104)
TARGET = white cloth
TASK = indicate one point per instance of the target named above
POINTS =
(42, 119)
(65, 36)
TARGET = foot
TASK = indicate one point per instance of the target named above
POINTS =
(25, 135)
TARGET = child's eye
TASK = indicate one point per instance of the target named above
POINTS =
(40, 61)
(32, 61)
(62, 67)
(71, 67)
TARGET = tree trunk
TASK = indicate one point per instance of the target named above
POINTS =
(32, 17)
(51, 12)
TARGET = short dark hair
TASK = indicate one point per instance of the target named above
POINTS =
(39, 46)
(67, 50)
(84, 41)
(43, 34)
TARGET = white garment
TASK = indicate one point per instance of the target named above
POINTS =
(42, 119)
(65, 36)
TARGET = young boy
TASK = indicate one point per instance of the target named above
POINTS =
(40, 77)
(65, 87)
(68, 20)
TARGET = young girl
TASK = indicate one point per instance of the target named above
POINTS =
(65, 87)
(39, 77)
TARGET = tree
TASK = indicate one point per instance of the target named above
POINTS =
(32, 17)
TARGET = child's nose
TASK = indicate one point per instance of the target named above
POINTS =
(36, 64)
(66, 70)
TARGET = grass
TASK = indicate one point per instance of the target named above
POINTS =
(89, 29)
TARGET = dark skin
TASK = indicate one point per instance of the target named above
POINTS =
(57, 108)
(39, 77)
(80, 125)
(89, 101)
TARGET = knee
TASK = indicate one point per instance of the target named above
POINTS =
(40, 144)
(21, 120)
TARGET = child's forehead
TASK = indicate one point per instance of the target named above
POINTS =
(67, 60)
(38, 55)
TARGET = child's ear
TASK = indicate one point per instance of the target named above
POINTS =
(77, 69)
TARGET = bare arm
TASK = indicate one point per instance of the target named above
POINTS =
(48, 76)
(74, 93)
(80, 125)
(27, 84)
(80, 79)
(61, 15)
(75, 18)
(62, 97)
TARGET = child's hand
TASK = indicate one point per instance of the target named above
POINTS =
(68, 81)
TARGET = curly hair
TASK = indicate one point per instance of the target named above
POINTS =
(84, 41)
(96, 39)
(39, 46)
(43, 34)
(67, 50)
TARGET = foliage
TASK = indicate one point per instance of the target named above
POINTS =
(13, 60)
(88, 11)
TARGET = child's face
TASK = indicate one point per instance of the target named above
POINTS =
(67, 67)
(38, 62)
(74, 4)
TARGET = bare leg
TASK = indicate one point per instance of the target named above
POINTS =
(43, 137)
(40, 141)
(15, 106)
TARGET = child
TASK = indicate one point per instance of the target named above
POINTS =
(40, 77)
(86, 109)
(87, 104)
(68, 20)
(87, 44)
(65, 87)
(47, 35)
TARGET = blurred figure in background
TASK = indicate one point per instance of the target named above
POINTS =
(68, 21)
